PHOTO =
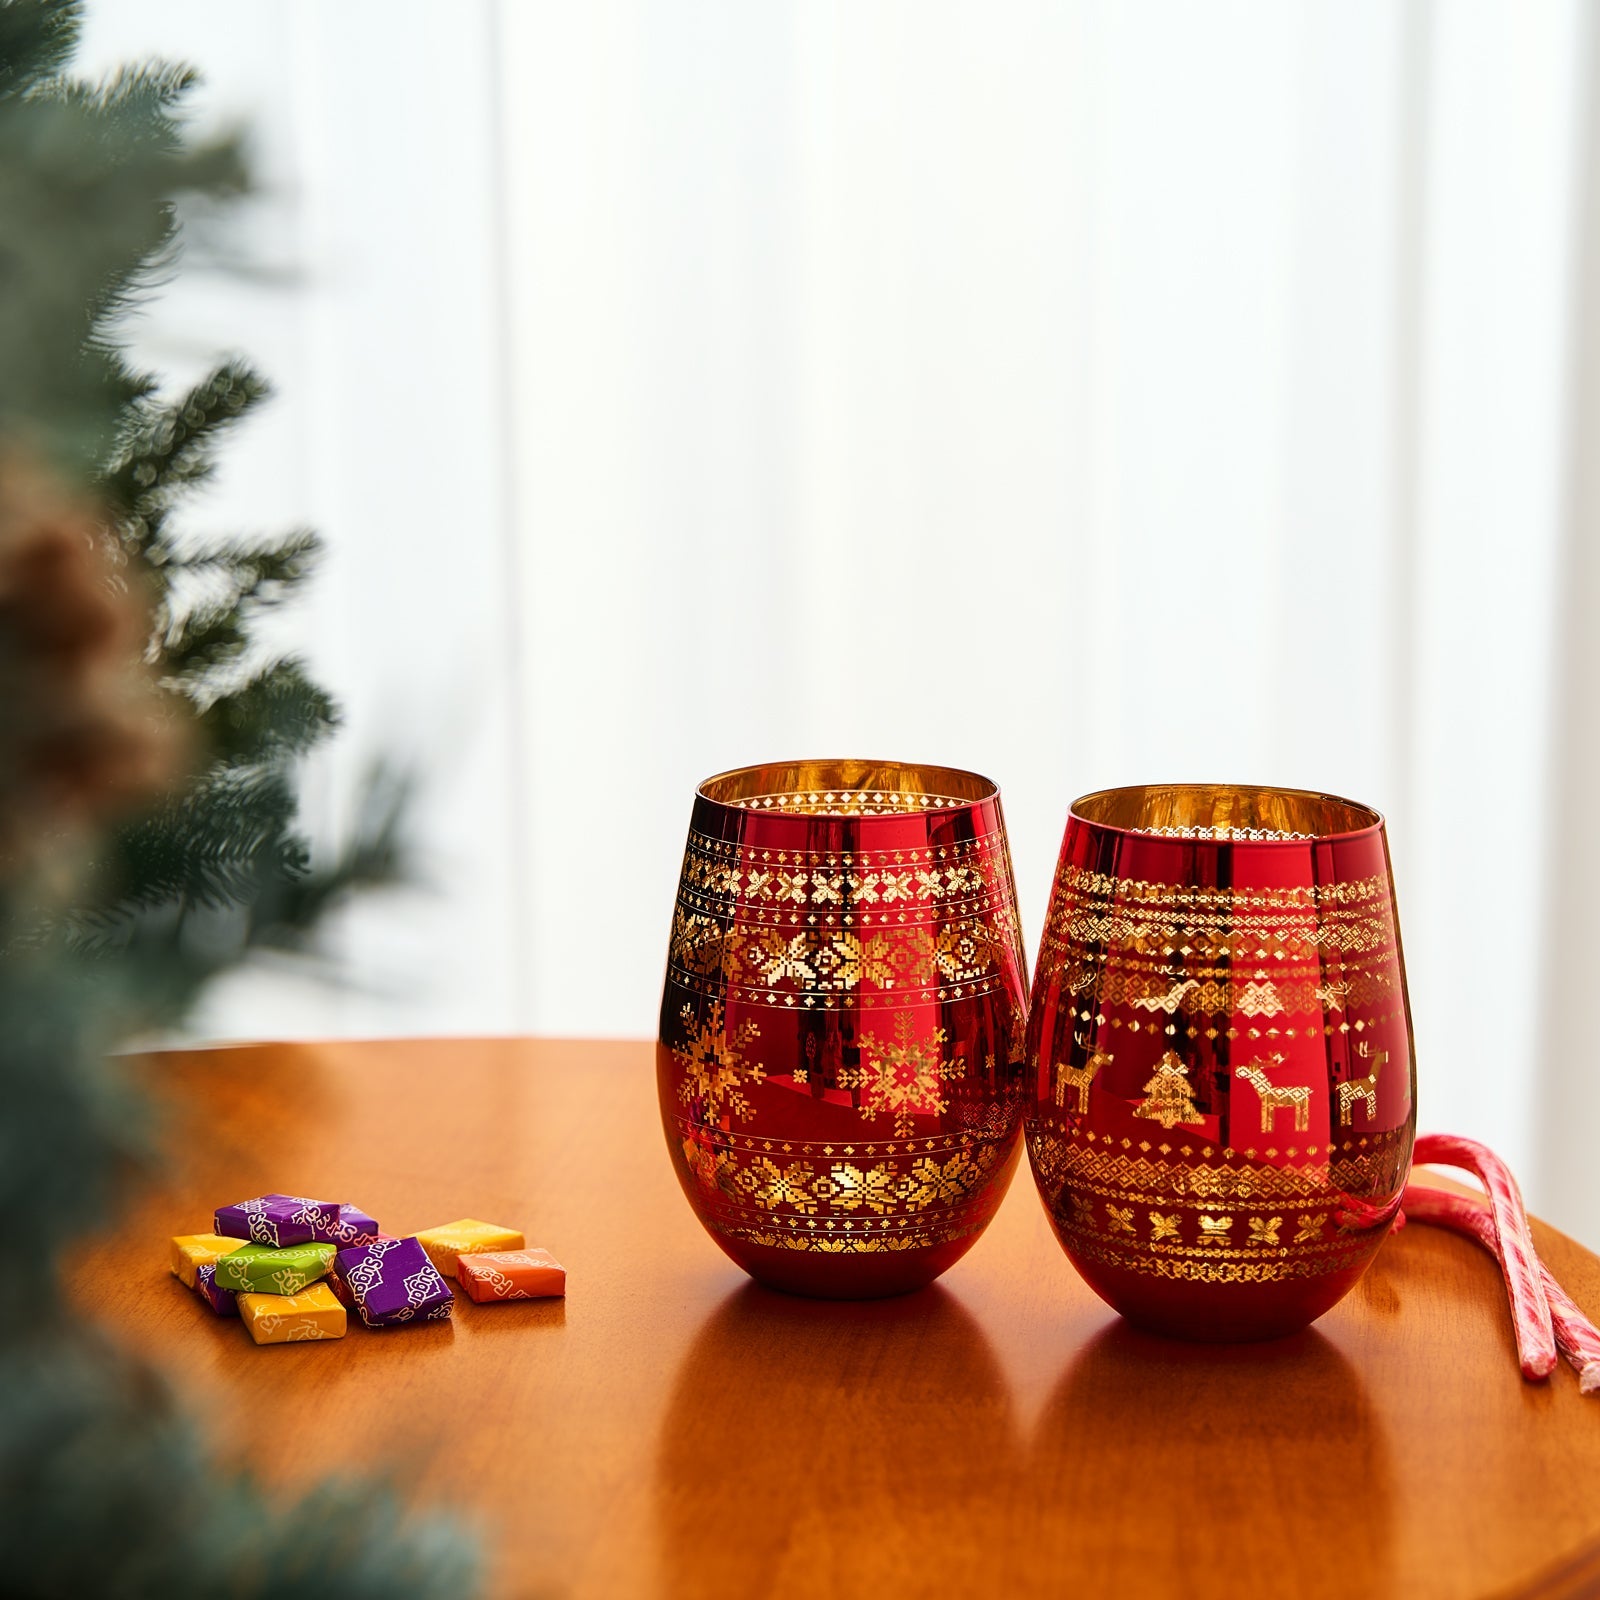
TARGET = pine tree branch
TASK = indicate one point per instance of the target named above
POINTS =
(169, 446)
(37, 40)
(210, 605)
(277, 714)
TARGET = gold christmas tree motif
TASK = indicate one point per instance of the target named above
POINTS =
(903, 1077)
(714, 1066)
(1169, 1096)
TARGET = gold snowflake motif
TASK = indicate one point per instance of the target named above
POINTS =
(932, 1184)
(849, 961)
(1260, 999)
(697, 944)
(1264, 1230)
(903, 1077)
(837, 965)
(714, 1066)
(1308, 1228)
(1120, 1219)
(771, 1186)
(1163, 1227)
(776, 958)
(848, 1188)
(792, 886)
(962, 950)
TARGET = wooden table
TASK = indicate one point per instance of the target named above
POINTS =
(671, 1429)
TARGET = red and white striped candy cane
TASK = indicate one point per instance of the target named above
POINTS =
(1519, 1261)
(1576, 1335)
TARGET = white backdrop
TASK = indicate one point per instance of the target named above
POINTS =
(1084, 393)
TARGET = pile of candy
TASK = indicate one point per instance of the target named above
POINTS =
(266, 1260)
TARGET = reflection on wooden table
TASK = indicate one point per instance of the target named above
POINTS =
(672, 1429)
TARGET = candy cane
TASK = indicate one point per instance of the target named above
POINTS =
(1576, 1335)
(1519, 1261)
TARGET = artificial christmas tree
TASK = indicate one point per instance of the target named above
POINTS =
(148, 747)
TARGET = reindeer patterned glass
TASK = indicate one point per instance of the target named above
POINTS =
(840, 1054)
(1221, 1093)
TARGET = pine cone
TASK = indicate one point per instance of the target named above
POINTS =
(84, 733)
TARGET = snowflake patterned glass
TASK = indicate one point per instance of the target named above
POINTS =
(840, 1054)
(1221, 1097)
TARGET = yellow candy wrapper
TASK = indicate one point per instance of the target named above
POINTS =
(293, 1318)
(468, 1237)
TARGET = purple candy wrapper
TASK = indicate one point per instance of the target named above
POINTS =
(354, 1228)
(392, 1281)
(280, 1220)
(223, 1301)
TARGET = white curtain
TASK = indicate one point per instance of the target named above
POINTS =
(1085, 393)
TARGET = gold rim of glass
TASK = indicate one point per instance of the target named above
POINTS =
(1226, 812)
(847, 788)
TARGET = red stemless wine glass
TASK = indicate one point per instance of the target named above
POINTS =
(839, 1059)
(1221, 1092)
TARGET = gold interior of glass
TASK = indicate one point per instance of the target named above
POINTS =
(1225, 811)
(847, 788)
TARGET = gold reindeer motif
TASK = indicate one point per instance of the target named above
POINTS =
(1274, 1097)
(1333, 994)
(1168, 1002)
(1363, 1089)
(1079, 1078)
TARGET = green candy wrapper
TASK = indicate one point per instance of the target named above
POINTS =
(260, 1269)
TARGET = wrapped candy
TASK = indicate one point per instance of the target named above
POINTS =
(280, 1220)
(354, 1227)
(222, 1301)
(190, 1251)
(292, 1319)
(337, 1284)
(253, 1268)
(511, 1275)
(392, 1281)
(466, 1237)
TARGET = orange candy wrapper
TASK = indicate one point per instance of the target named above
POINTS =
(511, 1275)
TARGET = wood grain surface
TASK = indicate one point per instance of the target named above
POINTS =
(671, 1429)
